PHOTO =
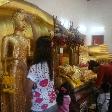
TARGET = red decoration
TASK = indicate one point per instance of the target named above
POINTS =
(37, 94)
(38, 100)
(44, 106)
(44, 83)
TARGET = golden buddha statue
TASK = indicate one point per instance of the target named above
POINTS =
(15, 50)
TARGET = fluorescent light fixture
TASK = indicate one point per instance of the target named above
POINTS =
(82, 29)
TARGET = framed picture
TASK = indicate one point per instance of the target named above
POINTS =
(97, 39)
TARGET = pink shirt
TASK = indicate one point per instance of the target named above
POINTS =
(65, 106)
(44, 95)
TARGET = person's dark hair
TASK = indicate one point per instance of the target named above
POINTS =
(64, 90)
(92, 64)
(43, 53)
(105, 87)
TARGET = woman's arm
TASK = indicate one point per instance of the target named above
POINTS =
(28, 93)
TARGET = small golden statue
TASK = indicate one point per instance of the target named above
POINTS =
(15, 50)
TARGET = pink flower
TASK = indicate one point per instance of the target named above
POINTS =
(51, 100)
(44, 83)
(37, 94)
(52, 96)
(38, 100)
(44, 106)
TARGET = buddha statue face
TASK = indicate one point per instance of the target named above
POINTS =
(19, 18)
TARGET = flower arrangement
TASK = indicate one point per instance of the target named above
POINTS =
(70, 37)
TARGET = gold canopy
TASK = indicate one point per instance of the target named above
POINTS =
(9, 6)
(2, 2)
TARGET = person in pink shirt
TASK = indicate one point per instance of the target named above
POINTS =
(63, 98)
